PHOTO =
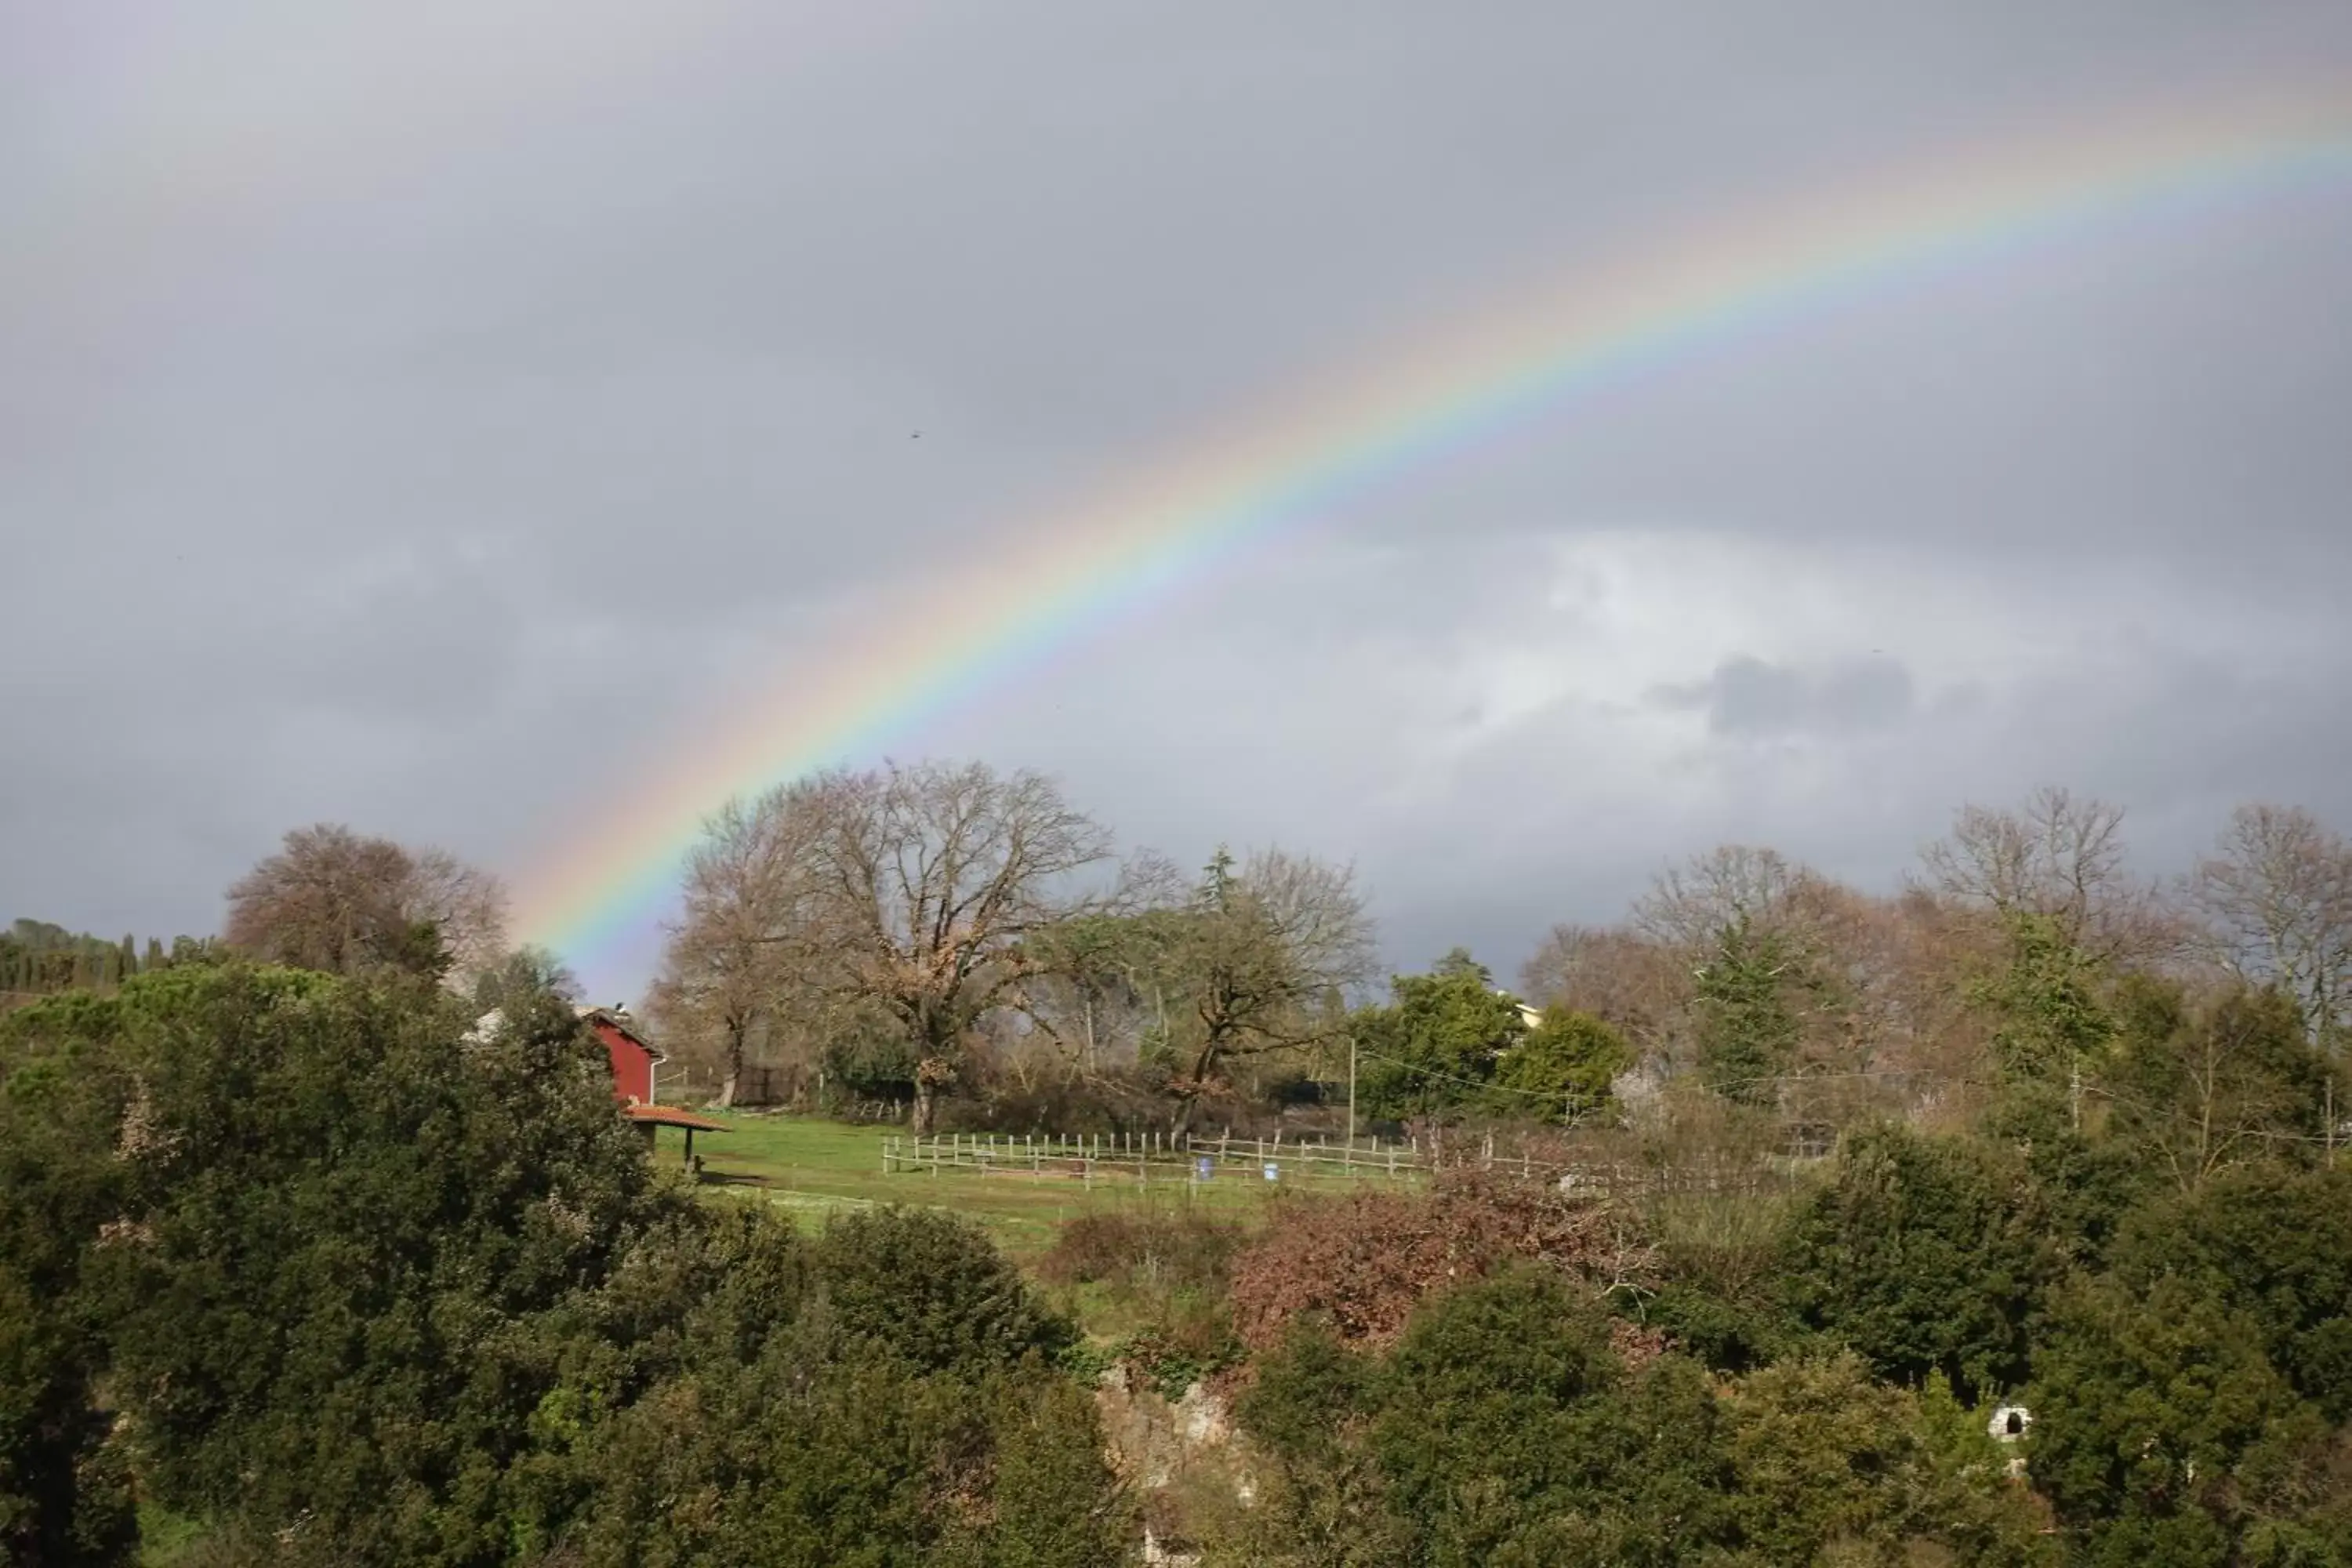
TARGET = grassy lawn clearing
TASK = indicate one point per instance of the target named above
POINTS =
(813, 1168)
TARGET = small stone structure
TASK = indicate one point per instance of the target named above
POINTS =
(2008, 1425)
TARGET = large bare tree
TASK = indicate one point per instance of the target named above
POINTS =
(909, 889)
(744, 954)
(338, 901)
(1636, 984)
(466, 905)
(2276, 898)
(937, 875)
(1689, 906)
(2058, 855)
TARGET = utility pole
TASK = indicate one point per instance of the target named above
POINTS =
(1352, 1091)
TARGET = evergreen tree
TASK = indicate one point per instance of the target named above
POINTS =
(1924, 1255)
(1748, 1030)
(2163, 1435)
(1436, 1042)
(1217, 880)
(1562, 1069)
(2052, 1025)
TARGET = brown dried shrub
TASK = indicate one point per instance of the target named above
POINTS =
(1186, 1249)
(1366, 1260)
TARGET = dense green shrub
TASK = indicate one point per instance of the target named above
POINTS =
(1562, 1069)
(2162, 1434)
(1503, 1429)
(1719, 1296)
(2201, 1087)
(372, 1288)
(1435, 1046)
(348, 1246)
(2274, 1244)
(1053, 1505)
(1829, 1465)
(931, 1290)
(64, 1493)
(1924, 1255)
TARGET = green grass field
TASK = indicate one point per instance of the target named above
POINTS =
(814, 1168)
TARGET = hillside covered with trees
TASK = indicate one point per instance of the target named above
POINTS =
(1997, 1219)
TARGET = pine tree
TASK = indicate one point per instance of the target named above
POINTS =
(1217, 886)
(2052, 1024)
(1748, 1033)
(129, 965)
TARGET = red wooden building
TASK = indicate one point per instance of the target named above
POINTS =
(633, 1056)
(634, 1059)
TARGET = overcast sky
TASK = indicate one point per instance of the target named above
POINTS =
(413, 415)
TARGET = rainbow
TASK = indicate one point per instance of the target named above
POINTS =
(1707, 290)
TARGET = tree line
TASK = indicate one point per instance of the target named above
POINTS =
(39, 959)
(960, 943)
(905, 928)
(937, 934)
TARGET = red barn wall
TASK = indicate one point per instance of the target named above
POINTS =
(633, 1066)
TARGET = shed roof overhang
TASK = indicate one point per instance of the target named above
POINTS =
(672, 1116)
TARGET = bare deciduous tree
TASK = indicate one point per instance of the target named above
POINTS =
(1690, 905)
(1636, 984)
(333, 899)
(465, 904)
(908, 889)
(746, 945)
(2058, 855)
(2276, 898)
(1898, 961)
(935, 875)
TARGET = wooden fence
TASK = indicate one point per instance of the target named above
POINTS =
(1153, 1157)
(1149, 1157)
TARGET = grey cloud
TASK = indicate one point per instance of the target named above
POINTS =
(2179, 739)
(1748, 697)
(388, 401)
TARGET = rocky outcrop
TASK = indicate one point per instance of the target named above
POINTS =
(1182, 1457)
